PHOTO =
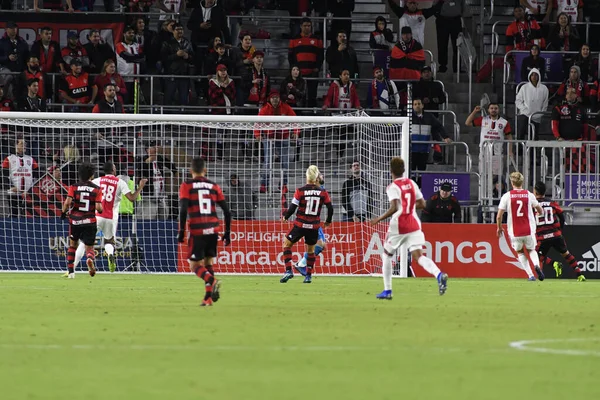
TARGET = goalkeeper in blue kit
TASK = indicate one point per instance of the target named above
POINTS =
(301, 264)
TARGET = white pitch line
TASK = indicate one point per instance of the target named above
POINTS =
(526, 345)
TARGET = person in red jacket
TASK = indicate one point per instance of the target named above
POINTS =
(408, 57)
(342, 93)
(110, 75)
(275, 141)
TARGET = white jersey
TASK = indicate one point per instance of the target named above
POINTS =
(540, 5)
(20, 171)
(113, 189)
(405, 220)
(416, 22)
(569, 7)
(518, 205)
(493, 129)
(174, 6)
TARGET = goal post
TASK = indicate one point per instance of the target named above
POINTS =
(258, 161)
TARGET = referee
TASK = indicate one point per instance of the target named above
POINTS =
(442, 207)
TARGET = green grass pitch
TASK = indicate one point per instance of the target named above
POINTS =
(145, 337)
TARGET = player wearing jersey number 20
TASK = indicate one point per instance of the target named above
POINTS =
(519, 204)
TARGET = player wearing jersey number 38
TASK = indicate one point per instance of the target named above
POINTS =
(405, 228)
(519, 204)
(198, 199)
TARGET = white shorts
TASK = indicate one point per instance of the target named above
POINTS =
(520, 242)
(107, 226)
(413, 241)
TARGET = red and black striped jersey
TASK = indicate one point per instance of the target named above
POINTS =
(78, 88)
(549, 223)
(85, 195)
(203, 196)
(310, 199)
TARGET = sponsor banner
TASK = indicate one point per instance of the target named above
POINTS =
(40, 244)
(461, 184)
(582, 187)
(554, 66)
(382, 59)
(583, 242)
(110, 26)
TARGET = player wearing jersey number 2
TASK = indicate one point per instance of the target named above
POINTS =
(519, 204)
(405, 228)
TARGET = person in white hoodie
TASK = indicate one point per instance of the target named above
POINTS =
(532, 98)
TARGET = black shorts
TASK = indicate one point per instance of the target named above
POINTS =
(202, 246)
(311, 236)
(86, 233)
(558, 243)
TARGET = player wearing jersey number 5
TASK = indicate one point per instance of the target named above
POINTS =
(308, 200)
(113, 189)
(519, 204)
(405, 228)
(198, 198)
(85, 198)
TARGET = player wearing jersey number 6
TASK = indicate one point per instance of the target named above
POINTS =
(113, 189)
(519, 204)
(405, 228)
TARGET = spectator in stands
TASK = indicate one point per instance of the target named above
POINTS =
(206, 22)
(69, 163)
(442, 207)
(426, 127)
(74, 50)
(383, 94)
(130, 61)
(177, 55)
(574, 81)
(573, 8)
(570, 122)
(98, 52)
(256, 83)
(32, 102)
(54, 5)
(21, 175)
(412, 17)
(165, 34)
(6, 104)
(242, 54)
(169, 9)
(341, 9)
(342, 94)
(564, 37)
(221, 92)
(382, 38)
(493, 128)
(76, 87)
(521, 34)
(534, 60)
(357, 196)
(48, 52)
(241, 198)
(448, 24)
(429, 91)
(144, 37)
(537, 9)
(293, 88)
(109, 104)
(306, 52)
(341, 56)
(83, 5)
(32, 72)
(13, 53)
(531, 99)
(215, 58)
(277, 141)
(408, 57)
(587, 64)
(109, 75)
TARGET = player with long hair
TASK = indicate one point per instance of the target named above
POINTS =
(308, 200)
(405, 228)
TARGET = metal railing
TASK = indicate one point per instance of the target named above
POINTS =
(468, 56)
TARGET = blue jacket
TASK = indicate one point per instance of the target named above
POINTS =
(21, 49)
(424, 129)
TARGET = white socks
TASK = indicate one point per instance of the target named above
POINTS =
(79, 253)
(525, 263)
(387, 271)
(535, 259)
(429, 266)
(110, 249)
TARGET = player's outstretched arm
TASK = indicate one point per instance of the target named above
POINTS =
(499, 222)
(183, 212)
(227, 214)
(329, 214)
(420, 204)
(393, 208)
(133, 196)
(290, 211)
(66, 206)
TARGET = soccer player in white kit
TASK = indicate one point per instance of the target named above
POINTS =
(519, 204)
(113, 189)
(405, 228)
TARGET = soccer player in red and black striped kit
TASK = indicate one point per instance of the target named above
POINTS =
(198, 198)
(85, 198)
(308, 200)
(549, 233)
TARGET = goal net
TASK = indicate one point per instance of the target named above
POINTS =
(258, 162)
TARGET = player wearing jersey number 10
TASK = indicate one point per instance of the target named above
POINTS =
(308, 200)
(405, 228)
(198, 198)
(85, 198)
(519, 204)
